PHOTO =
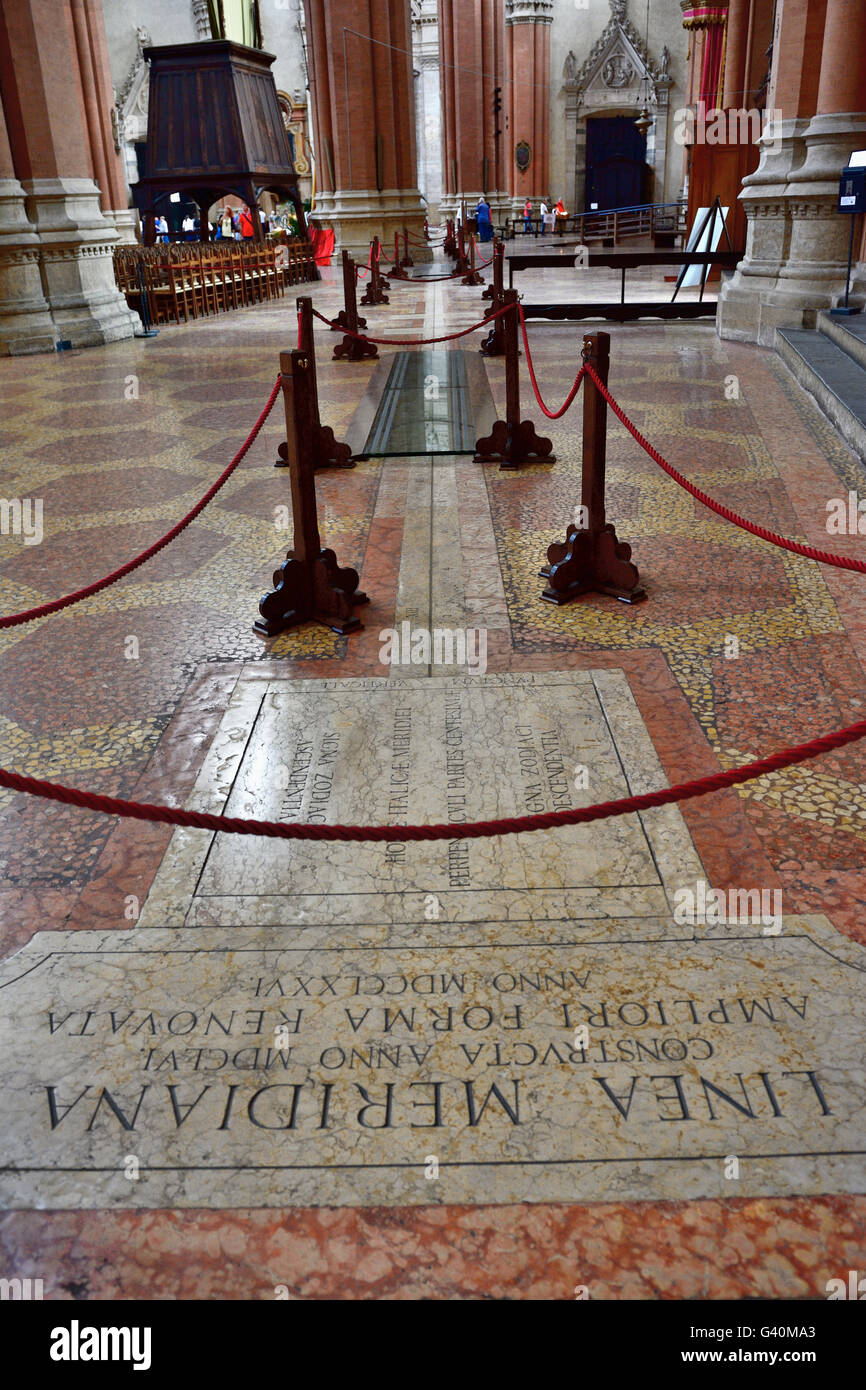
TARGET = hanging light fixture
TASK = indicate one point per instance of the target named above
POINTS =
(645, 120)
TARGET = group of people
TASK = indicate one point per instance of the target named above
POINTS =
(233, 224)
(237, 223)
(551, 218)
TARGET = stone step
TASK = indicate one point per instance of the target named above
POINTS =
(847, 333)
(834, 378)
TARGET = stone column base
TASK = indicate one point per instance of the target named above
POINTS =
(125, 223)
(25, 318)
(796, 247)
(77, 245)
(359, 214)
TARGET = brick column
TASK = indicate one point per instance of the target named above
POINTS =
(25, 319)
(472, 55)
(796, 246)
(527, 45)
(361, 89)
(42, 91)
(736, 41)
(98, 99)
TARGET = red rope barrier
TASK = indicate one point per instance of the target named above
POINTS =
(513, 825)
(410, 342)
(551, 414)
(824, 557)
(28, 616)
(474, 830)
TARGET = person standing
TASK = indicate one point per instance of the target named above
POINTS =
(227, 230)
(560, 213)
(543, 214)
(527, 217)
(245, 223)
(482, 215)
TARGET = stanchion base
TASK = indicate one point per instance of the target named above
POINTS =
(514, 446)
(355, 350)
(371, 296)
(342, 321)
(327, 451)
(318, 591)
(488, 293)
(591, 562)
(473, 278)
(494, 343)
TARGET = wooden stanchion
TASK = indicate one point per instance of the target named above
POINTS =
(494, 343)
(407, 259)
(328, 452)
(513, 441)
(309, 585)
(397, 273)
(472, 276)
(352, 349)
(449, 246)
(591, 559)
(374, 293)
(462, 266)
(345, 317)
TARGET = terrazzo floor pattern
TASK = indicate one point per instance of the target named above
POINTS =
(118, 442)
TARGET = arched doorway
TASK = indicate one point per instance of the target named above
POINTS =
(616, 167)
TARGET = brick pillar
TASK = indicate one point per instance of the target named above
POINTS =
(42, 91)
(527, 45)
(796, 246)
(25, 319)
(736, 41)
(361, 88)
(98, 100)
(472, 54)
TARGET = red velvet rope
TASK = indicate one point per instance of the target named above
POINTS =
(15, 619)
(411, 342)
(512, 825)
(551, 414)
(824, 557)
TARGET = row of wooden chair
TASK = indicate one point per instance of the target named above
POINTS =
(186, 280)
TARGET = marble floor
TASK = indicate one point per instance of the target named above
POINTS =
(740, 649)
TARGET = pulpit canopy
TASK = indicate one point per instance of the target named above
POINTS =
(214, 127)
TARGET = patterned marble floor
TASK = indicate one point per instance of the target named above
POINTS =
(118, 442)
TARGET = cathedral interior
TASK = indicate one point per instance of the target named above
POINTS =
(433, 787)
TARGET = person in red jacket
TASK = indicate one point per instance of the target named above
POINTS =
(246, 222)
(560, 214)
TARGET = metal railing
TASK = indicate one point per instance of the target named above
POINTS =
(611, 224)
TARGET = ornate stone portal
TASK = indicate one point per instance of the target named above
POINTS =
(613, 81)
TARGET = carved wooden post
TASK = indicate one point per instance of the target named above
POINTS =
(449, 246)
(407, 259)
(490, 291)
(472, 276)
(348, 316)
(513, 441)
(591, 559)
(328, 452)
(374, 293)
(309, 585)
(353, 349)
(462, 266)
(398, 273)
(494, 343)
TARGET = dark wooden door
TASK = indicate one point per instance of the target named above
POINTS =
(615, 163)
